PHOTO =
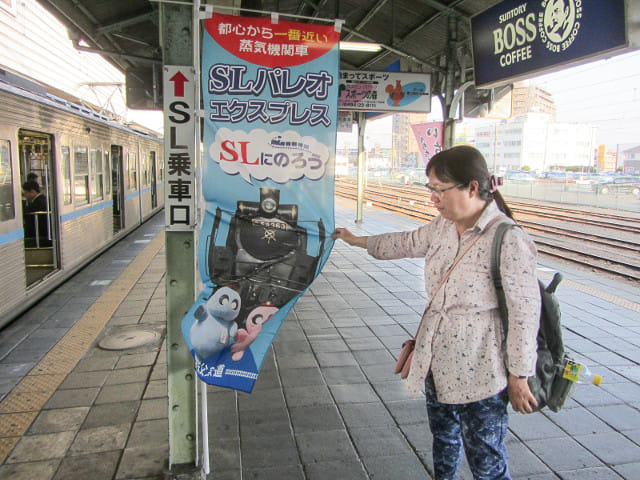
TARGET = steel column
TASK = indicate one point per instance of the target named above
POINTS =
(176, 40)
(361, 165)
(450, 123)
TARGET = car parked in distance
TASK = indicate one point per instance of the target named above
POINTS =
(618, 185)
(519, 177)
(554, 176)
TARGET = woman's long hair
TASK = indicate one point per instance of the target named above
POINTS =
(461, 165)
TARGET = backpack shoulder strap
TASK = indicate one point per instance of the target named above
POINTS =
(495, 271)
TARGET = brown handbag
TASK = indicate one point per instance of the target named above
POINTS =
(404, 360)
(403, 364)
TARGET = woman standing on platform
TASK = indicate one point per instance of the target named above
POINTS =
(467, 370)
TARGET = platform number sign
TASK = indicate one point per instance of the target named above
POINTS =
(179, 147)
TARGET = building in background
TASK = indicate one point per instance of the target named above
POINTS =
(400, 127)
(606, 160)
(569, 145)
(629, 159)
(405, 149)
(527, 98)
(530, 139)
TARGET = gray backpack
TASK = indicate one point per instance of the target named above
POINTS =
(548, 385)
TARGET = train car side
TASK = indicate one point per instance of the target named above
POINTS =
(100, 180)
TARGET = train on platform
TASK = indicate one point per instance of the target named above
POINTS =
(98, 180)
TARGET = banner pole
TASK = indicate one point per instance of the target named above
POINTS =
(361, 165)
(205, 428)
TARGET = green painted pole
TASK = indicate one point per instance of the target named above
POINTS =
(176, 31)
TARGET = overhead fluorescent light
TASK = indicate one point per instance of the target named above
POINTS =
(360, 47)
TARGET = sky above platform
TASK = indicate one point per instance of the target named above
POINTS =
(604, 93)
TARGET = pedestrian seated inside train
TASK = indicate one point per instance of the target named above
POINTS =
(35, 216)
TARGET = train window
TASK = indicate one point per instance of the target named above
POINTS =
(81, 175)
(7, 206)
(145, 171)
(107, 174)
(153, 168)
(132, 168)
(97, 175)
(160, 168)
(66, 174)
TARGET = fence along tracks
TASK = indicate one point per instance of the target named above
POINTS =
(595, 238)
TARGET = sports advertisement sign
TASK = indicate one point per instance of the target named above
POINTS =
(270, 93)
(516, 38)
(385, 91)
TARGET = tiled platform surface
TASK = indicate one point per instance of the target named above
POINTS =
(326, 404)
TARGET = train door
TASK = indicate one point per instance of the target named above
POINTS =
(40, 218)
(117, 192)
(154, 189)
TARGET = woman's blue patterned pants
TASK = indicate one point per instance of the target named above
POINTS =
(481, 427)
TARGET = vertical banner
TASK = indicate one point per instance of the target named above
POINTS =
(270, 93)
(430, 137)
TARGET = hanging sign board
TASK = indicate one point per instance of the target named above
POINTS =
(179, 147)
(430, 138)
(345, 121)
(516, 39)
(385, 91)
(270, 94)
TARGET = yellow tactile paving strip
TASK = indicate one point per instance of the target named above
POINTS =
(607, 297)
(21, 406)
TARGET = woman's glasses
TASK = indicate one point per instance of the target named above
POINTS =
(438, 192)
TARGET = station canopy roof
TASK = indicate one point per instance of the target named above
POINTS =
(422, 34)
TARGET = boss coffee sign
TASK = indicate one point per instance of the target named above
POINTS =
(516, 39)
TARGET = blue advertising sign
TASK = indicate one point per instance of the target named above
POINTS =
(515, 39)
(270, 93)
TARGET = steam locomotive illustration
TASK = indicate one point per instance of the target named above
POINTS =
(264, 257)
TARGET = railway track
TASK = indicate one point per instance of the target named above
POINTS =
(598, 240)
